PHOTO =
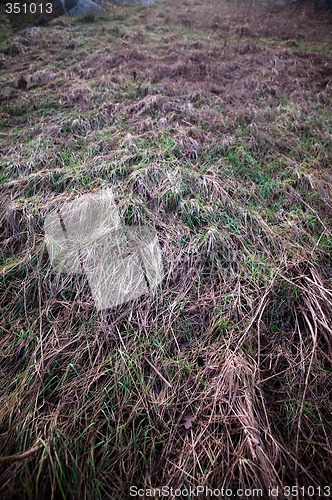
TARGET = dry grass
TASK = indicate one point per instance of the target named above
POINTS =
(212, 124)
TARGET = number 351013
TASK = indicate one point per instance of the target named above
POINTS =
(29, 8)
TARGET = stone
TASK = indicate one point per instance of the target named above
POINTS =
(59, 8)
(77, 7)
(131, 2)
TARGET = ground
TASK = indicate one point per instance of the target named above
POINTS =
(211, 122)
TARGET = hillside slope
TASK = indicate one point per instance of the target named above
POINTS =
(212, 124)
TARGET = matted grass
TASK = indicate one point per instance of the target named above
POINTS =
(212, 124)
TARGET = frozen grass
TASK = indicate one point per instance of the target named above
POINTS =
(211, 123)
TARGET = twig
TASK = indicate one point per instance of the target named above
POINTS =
(21, 456)
(157, 372)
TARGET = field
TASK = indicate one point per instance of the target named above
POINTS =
(211, 121)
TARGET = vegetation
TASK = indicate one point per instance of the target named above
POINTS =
(211, 121)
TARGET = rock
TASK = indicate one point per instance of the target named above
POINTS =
(130, 2)
(325, 3)
(85, 7)
(77, 7)
(59, 8)
(281, 3)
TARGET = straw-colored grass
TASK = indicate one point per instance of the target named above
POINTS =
(211, 122)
